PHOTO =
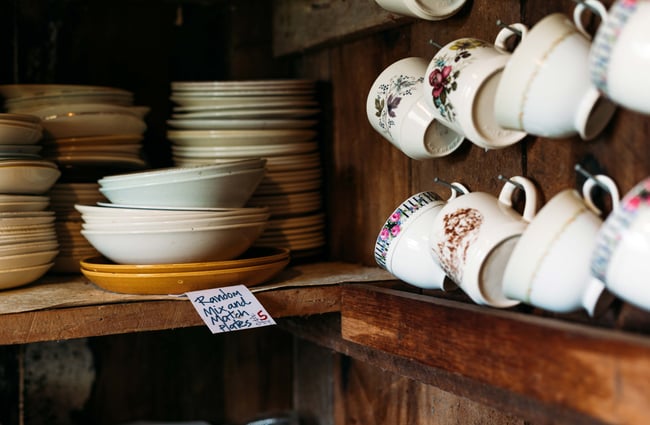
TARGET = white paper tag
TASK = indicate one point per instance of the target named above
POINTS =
(230, 308)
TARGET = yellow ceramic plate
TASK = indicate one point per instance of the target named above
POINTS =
(180, 282)
(253, 257)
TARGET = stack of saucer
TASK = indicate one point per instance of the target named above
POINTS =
(87, 130)
(215, 121)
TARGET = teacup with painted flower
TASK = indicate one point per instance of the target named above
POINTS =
(461, 82)
(402, 245)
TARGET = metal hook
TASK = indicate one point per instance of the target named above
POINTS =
(509, 27)
(590, 176)
(449, 185)
(512, 182)
(434, 44)
(587, 5)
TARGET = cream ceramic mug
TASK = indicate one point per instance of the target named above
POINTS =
(431, 10)
(545, 89)
(396, 110)
(461, 82)
(549, 266)
(473, 235)
(620, 51)
(402, 245)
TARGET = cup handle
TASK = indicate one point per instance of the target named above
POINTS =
(456, 188)
(593, 5)
(530, 192)
(501, 40)
(589, 185)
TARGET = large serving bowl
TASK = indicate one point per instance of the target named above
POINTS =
(175, 245)
(222, 190)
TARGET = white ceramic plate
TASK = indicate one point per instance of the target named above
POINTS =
(217, 138)
(235, 100)
(247, 113)
(244, 151)
(92, 124)
(271, 104)
(241, 84)
(244, 124)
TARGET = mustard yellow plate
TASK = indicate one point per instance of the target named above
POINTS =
(181, 282)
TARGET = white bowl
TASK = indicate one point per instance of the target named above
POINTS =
(171, 174)
(144, 224)
(175, 245)
(225, 190)
(114, 211)
(12, 278)
(30, 177)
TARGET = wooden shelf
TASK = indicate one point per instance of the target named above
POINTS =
(517, 361)
(66, 307)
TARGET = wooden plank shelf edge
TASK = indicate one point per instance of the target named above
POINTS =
(597, 373)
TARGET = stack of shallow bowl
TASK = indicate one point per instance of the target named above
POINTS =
(20, 135)
(216, 121)
(195, 216)
(88, 131)
(28, 241)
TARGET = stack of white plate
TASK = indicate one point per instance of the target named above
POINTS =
(215, 121)
(86, 129)
(28, 245)
(73, 247)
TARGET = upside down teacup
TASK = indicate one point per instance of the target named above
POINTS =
(396, 109)
(473, 235)
(621, 257)
(549, 266)
(431, 10)
(545, 89)
(461, 82)
(402, 246)
(620, 51)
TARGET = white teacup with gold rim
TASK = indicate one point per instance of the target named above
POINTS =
(396, 109)
(402, 246)
(549, 266)
(620, 51)
(545, 88)
(461, 82)
(431, 10)
(473, 235)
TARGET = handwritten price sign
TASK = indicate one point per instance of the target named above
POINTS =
(229, 309)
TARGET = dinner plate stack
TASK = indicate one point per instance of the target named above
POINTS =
(89, 131)
(28, 241)
(73, 247)
(216, 121)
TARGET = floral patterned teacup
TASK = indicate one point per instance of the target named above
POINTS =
(619, 51)
(461, 82)
(620, 258)
(397, 111)
(473, 235)
(545, 89)
(402, 245)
